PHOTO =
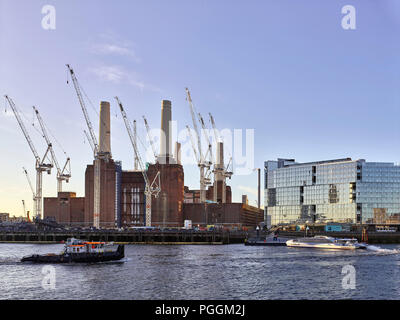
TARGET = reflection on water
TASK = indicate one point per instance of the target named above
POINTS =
(206, 272)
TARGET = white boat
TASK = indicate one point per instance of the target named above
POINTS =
(324, 242)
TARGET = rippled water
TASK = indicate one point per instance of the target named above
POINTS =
(206, 272)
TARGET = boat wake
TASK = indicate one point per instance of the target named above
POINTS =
(382, 250)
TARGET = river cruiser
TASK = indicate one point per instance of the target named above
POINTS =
(324, 242)
(77, 250)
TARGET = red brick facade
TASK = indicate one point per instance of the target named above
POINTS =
(107, 194)
(167, 209)
(67, 209)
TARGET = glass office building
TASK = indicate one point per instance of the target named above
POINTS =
(340, 190)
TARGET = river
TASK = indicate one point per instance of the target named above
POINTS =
(205, 272)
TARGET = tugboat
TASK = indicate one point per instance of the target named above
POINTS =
(269, 240)
(76, 250)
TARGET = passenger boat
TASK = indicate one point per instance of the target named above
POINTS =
(324, 242)
(76, 250)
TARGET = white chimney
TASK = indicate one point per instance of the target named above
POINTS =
(104, 128)
(165, 134)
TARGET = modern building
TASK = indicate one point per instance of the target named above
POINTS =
(341, 190)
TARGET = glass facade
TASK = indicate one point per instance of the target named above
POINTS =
(341, 190)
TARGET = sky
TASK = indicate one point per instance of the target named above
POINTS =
(310, 89)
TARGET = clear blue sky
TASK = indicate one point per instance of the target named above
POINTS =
(287, 69)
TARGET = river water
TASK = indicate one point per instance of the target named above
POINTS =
(205, 272)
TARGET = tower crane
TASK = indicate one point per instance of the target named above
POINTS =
(84, 110)
(62, 174)
(33, 193)
(207, 179)
(98, 156)
(89, 140)
(150, 137)
(151, 188)
(220, 171)
(209, 149)
(40, 164)
(136, 163)
(202, 163)
(216, 135)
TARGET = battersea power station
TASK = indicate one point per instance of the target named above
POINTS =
(116, 198)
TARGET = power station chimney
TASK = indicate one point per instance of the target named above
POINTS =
(220, 158)
(178, 154)
(165, 134)
(105, 129)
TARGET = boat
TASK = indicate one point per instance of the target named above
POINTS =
(76, 250)
(269, 240)
(325, 242)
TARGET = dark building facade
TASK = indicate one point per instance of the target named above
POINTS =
(132, 203)
(107, 194)
(228, 215)
(167, 208)
(66, 208)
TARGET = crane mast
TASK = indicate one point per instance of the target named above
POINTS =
(62, 175)
(89, 140)
(151, 188)
(220, 171)
(202, 163)
(136, 163)
(84, 110)
(30, 185)
(150, 137)
(95, 146)
(40, 165)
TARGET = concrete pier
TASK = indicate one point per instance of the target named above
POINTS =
(130, 237)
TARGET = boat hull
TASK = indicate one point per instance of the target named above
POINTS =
(324, 246)
(77, 257)
(273, 241)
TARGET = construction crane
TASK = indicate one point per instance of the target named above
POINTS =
(150, 137)
(63, 174)
(84, 110)
(220, 171)
(26, 212)
(151, 188)
(209, 149)
(216, 135)
(202, 163)
(136, 163)
(89, 140)
(33, 193)
(96, 154)
(40, 164)
(29, 182)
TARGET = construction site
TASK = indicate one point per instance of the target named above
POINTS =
(153, 195)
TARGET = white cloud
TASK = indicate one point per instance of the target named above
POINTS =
(115, 49)
(109, 73)
(118, 75)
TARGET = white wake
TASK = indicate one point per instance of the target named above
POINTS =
(382, 250)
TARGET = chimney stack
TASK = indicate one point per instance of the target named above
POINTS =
(177, 153)
(104, 129)
(165, 137)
